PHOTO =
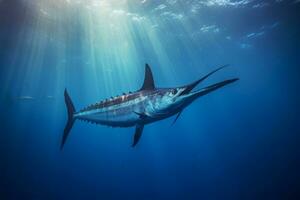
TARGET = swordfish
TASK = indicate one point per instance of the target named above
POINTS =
(137, 109)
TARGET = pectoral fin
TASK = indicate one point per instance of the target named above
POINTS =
(138, 133)
(142, 115)
(178, 115)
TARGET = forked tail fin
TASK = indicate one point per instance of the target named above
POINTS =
(70, 122)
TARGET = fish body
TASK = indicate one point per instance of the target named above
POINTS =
(147, 105)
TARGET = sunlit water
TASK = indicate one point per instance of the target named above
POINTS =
(240, 142)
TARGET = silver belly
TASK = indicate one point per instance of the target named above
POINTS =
(121, 116)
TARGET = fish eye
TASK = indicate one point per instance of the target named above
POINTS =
(174, 91)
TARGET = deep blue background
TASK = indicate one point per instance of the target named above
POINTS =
(241, 142)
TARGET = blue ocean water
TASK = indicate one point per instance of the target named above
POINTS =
(240, 142)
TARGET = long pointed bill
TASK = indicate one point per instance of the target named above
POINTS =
(206, 90)
(190, 87)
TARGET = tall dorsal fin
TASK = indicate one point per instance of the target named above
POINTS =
(148, 81)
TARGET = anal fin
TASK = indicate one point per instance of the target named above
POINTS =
(138, 133)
